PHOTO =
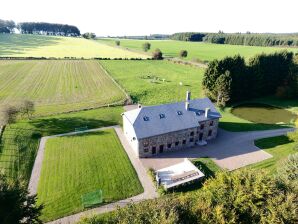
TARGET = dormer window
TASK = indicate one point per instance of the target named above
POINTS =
(146, 118)
(198, 113)
(161, 116)
(179, 112)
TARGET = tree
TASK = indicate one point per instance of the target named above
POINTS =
(146, 46)
(16, 205)
(27, 108)
(157, 54)
(89, 35)
(223, 89)
(117, 42)
(9, 115)
(183, 54)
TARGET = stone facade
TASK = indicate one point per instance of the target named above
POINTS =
(206, 130)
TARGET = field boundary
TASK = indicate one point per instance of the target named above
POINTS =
(148, 186)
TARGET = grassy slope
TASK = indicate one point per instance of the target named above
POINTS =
(24, 136)
(202, 51)
(18, 45)
(132, 76)
(76, 165)
(57, 86)
(279, 147)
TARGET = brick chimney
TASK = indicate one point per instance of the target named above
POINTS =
(187, 100)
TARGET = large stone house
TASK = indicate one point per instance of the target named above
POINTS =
(157, 129)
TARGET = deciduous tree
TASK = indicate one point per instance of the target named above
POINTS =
(146, 46)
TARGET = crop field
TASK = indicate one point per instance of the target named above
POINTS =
(79, 164)
(196, 50)
(18, 45)
(156, 82)
(57, 85)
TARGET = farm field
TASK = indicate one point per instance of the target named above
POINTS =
(20, 141)
(196, 50)
(279, 147)
(57, 85)
(80, 164)
(18, 45)
(143, 80)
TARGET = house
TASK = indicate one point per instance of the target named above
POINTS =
(157, 129)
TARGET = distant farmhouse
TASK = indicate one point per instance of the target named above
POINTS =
(153, 130)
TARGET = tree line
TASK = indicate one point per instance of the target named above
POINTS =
(8, 26)
(248, 39)
(232, 79)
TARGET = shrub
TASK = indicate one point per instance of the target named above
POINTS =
(117, 42)
(146, 46)
(157, 54)
(183, 54)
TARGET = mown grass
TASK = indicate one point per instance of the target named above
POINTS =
(79, 164)
(57, 86)
(20, 141)
(196, 50)
(279, 147)
(143, 80)
(25, 45)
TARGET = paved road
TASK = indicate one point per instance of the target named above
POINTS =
(230, 150)
(149, 189)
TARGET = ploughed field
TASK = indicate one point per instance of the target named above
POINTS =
(57, 85)
(196, 50)
(26, 45)
(76, 165)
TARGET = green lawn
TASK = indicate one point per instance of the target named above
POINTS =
(279, 147)
(25, 45)
(57, 85)
(196, 50)
(143, 80)
(20, 140)
(80, 164)
(207, 166)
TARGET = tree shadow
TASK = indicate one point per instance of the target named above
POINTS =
(19, 43)
(237, 127)
(52, 126)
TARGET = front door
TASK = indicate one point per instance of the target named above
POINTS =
(161, 149)
(153, 150)
(201, 137)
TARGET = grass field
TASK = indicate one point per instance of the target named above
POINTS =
(279, 147)
(57, 86)
(196, 50)
(143, 80)
(79, 164)
(20, 140)
(18, 45)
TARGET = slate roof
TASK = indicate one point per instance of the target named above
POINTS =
(147, 120)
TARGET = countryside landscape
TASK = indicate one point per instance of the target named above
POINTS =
(98, 125)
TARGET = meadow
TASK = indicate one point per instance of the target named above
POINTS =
(196, 50)
(25, 45)
(57, 85)
(279, 147)
(98, 161)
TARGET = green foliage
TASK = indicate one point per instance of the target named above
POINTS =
(261, 77)
(183, 54)
(89, 35)
(188, 36)
(146, 46)
(223, 89)
(117, 42)
(242, 196)
(157, 54)
(16, 205)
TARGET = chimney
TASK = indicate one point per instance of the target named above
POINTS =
(186, 105)
(207, 111)
(188, 93)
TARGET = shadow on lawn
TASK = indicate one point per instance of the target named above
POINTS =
(236, 127)
(52, 126)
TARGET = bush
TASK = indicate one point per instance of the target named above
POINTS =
(157, 54)
(146, 46)
(183, 54)
(117, 42)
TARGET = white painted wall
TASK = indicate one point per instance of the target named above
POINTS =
(130, 134)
